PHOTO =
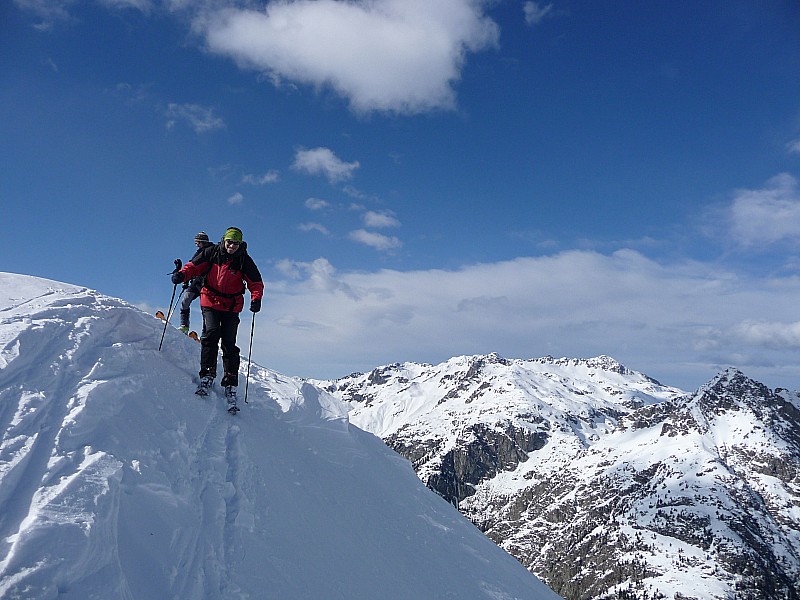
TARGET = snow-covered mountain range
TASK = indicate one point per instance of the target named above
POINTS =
(117, 482)
(599, 479)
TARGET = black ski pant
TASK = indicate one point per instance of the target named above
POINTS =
(190, 294)
(219, 325)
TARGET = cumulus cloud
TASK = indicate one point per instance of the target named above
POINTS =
(199, 118)
(677, 322)
(375, 240)
(401, 56)
(319, 276)
(322, 161)
(768, 215)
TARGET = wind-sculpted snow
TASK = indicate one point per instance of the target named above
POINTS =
(116, 481)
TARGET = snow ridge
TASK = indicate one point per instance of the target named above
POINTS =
(116, 481)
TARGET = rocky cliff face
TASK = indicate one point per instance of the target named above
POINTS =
(602, 481)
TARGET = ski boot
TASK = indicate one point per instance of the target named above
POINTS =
(231, 398)
(205, 385)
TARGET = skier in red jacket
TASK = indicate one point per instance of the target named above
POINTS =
(228, 269)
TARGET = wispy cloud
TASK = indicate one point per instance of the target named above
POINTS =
(316, 204)
(794, 146)
(399, 56)
(199, 118)
(144, 6)
(378, 220)
(768, 215)
(318, 227)
(767, 334)
(271, 176)
(53, 12)
(236, 198)
(375, 240)
(50, 12)
(322, 161)
(535, 12)
(50, 63)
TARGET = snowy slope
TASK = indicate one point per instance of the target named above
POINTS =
(567, 402)
(599, 479)
(116, 481)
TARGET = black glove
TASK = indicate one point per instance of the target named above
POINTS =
(255, 305)
(178, 277)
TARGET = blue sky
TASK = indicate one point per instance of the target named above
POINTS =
(418, 179)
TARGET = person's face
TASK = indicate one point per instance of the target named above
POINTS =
(231, 246)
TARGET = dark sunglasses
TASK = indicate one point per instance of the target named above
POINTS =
(232, 242)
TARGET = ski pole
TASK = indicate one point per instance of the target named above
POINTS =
(171, 300)
(177, 303)
(249, 359)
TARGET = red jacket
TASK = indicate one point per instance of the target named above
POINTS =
(226, 276)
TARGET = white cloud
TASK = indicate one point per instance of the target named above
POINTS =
(144, 6)
(381, 55)
(676, 322)
(58, 11)
(380, 219)
(322, 161)
(375, 240)
(768, 334)
(534, 12)
(314, 227)
(200, 118)
(354, 192)
(320, 277)
(794, 146)
(768, 215)
(49, 11)
(316, 204)
(270, 176)
(237, 198)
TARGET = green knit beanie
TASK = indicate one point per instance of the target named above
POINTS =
(233, 233)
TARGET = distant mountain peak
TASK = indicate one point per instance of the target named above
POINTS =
(732, 388)
(601, 480)
(603, 362)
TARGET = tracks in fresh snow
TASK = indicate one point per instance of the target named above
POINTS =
(212, 557)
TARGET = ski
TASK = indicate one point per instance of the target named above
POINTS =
(191, 334)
